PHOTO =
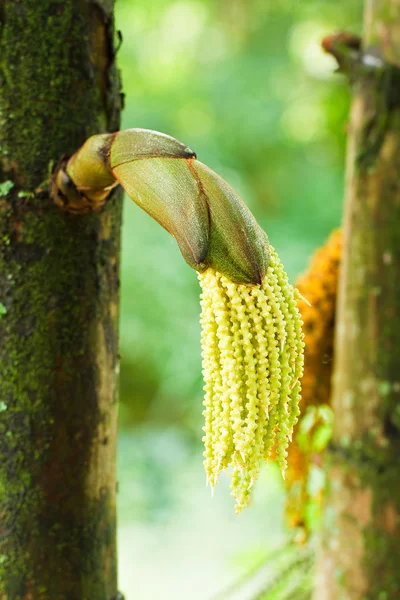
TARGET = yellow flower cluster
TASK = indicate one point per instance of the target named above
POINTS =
(252, 349)
(319, 285)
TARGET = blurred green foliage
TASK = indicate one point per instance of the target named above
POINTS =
(246, 85)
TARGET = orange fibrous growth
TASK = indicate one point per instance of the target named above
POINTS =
(319, 286)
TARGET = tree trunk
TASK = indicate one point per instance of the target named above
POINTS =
(360, 549)
(59, 280)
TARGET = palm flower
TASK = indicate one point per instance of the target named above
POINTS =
(319, 285)
(251, 327)
(252, 365)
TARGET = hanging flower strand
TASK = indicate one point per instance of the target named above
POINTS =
(252, 343)
(252, 349)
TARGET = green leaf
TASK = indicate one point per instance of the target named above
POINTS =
(5, 187)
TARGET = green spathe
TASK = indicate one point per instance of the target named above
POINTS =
(210, 222)
(136, 144)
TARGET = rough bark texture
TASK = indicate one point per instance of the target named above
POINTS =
(360, 553)
(58, 308)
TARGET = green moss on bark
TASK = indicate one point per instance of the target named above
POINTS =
(361, 535)
(58, 81)
(59, 286)
(368, 475)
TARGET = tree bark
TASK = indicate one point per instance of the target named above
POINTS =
(59, 281)
(360, 550)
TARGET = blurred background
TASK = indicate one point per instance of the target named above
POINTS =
(245, 84)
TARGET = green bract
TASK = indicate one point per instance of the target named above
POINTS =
(210, 222)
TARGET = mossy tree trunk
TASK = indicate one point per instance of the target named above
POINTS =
(58, 307)
(360, 550)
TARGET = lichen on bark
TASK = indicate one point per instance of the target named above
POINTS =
(59, 286)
